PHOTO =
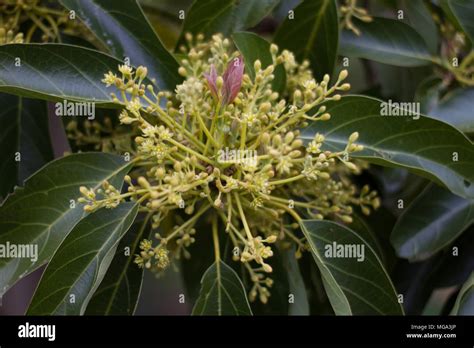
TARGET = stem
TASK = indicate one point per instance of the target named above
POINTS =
(191, 151)
(242, 216)
(206, 131)
(213, 125)
(215, 238)
(187, 223)
(40, 25)
(287, 180)
(288, 210)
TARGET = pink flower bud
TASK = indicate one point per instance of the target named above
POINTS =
(211, 80)
(232, 80)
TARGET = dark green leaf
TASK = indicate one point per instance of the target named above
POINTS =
(312, 34)
(427, 93)
(124, 29)
(225, 16)
(431, 222)
(300, 306)
(456, 109)
(191, 272)
(363, 229)
(56, 72)
(464, 12)
(119, 291)
(222, 293)
(420, 18)
(253, 47)
(353, 286)
(425, 146)
(25, 130)
(386, 41)
(455, 269)
(81, 261)
(41, 213)
(465, 301)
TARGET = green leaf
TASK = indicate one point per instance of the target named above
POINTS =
(124, 29)
(365, 231)
(296, 284)
(427, 93)
(25, 131)
(56, 72)
(465, 301)
(40, 213)
(312, 34)
(353, 287)
(456, 109)
(420, 19)
(222, 293)
(119, 291)
(425, 146)
(224, 16)
(431, 222)
(464, 12)
(81, 261)
(253, 47)
(386, 41)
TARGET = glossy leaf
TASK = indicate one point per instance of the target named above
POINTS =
(427, 94)
(119, 291)
(464, 12)
(456, 109)
(431, 222)
(362, 228)
(24, 132)
(420, 19)
(425, 146)
(353, 287)
(386, 41)
(81, 261)
(253, 47)
(56, 72)
(126, 32)
(222, 293)
(312, 34)
(44, 212)
(465, 301)
(225, 16)
(297, 287)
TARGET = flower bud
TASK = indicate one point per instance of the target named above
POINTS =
(182, 71)
(257, 65)
(325, 117)
(273, 49)
(354, 136)
(143, 182)
(265, 138)
(219, 82)
(272, 239)
(345, 87)
(141, 72)
(265, 107)
(343, 74)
